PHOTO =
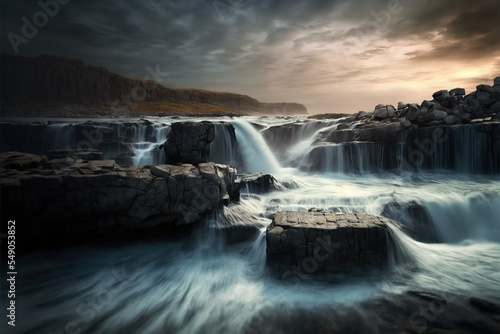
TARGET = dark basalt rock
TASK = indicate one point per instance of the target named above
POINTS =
(341, 136)
(189, 142)
(414, 216)
(258, 183)
(72, 201)
(89, 154)
(327, 242)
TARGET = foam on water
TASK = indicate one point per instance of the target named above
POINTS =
(204, 284)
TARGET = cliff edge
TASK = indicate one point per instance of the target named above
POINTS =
(68, 87)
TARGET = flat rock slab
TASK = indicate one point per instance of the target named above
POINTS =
(68, 198)
(326, 242)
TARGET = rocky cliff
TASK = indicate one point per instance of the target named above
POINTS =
(58, 80)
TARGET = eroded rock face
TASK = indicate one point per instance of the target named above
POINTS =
(259, 183)
(189, 142)
(415, 217)
(326, 242)
(81, 197)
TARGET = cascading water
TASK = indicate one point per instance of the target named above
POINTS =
(216, 279)
(224, 147)
(357, 157)
(256, 155)
(148, 152)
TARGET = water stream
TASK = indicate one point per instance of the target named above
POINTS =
(205, 284)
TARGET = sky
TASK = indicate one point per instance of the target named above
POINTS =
(335, 56)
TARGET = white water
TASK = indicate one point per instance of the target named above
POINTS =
(256, 155)
(203, 284)
(147, 152)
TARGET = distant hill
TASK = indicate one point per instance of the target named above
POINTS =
(59, 86)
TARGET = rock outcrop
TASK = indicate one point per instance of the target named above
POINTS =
(414, 216)
(74, 199)
(258, 183)
(50, 80)
(189, 142)
(453, 131)
(326, 242)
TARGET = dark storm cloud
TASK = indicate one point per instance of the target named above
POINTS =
(254, 45)
(457, 30)
(128, 29)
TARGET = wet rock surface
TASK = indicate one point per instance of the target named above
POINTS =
(258, 183)
(327, 242)
(407, 312)
(414, 216)
(64, 200)
(189, 142)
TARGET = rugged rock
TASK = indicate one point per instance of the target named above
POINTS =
(88, 154)
(363, 115)
(330, 116)
(389, 133)
(326, 242)
(83, 198)
(258, 183)
(440, 95)
(457, 92)
(452, 120)
(383, 111)
(413, 113)
(405, 123)
(435, 115)
(415, 217)
(341, 136)
(189, 142)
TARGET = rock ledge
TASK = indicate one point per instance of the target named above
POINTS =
(327, 242)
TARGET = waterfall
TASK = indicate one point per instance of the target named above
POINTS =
(473, 216)
(223, 149)
(215, 279)
(357, 157)
(469, 149)
(146, 152)
(462, 149)
(470, 268)
(256, 155)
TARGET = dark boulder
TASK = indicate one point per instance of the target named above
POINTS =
(340, 136)
(414, 216)
(258, 183)
(189, 142)
(326, 242)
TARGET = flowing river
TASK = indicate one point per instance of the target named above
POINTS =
(204, 283)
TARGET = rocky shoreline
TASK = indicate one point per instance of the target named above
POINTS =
(451, 107)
